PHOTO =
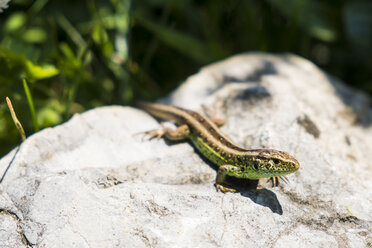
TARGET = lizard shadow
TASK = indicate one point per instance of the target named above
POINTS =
(263, 197)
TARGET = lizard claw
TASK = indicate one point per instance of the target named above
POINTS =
(276, 180)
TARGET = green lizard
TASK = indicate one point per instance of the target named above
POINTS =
(232, 160)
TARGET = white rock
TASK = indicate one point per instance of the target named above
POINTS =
(95, 182)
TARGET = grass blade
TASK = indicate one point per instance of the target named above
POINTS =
(31, 105)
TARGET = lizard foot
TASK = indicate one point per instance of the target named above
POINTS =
(224, 189)
(157, 133)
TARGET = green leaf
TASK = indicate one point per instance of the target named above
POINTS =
(37, 72)
(30, 70)
(34, 35)
(15, 22)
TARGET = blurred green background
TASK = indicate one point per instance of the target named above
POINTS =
(77, 55)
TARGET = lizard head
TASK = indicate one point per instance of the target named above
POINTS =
(271, 163)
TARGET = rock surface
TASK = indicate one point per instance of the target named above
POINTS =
(95, 182)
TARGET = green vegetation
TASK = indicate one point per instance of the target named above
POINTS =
(58, 58)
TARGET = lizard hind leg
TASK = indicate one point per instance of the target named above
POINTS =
(217, 121)
(182, 132)
(212, 116)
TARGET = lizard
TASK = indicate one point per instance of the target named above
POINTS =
(230, 158)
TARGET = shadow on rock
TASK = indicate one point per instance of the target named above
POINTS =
(264, 198)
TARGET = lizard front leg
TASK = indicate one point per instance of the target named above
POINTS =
(222, 172)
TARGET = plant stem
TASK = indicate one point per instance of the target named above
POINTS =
(16, 121)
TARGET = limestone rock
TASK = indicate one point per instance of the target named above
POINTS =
(94, 181)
